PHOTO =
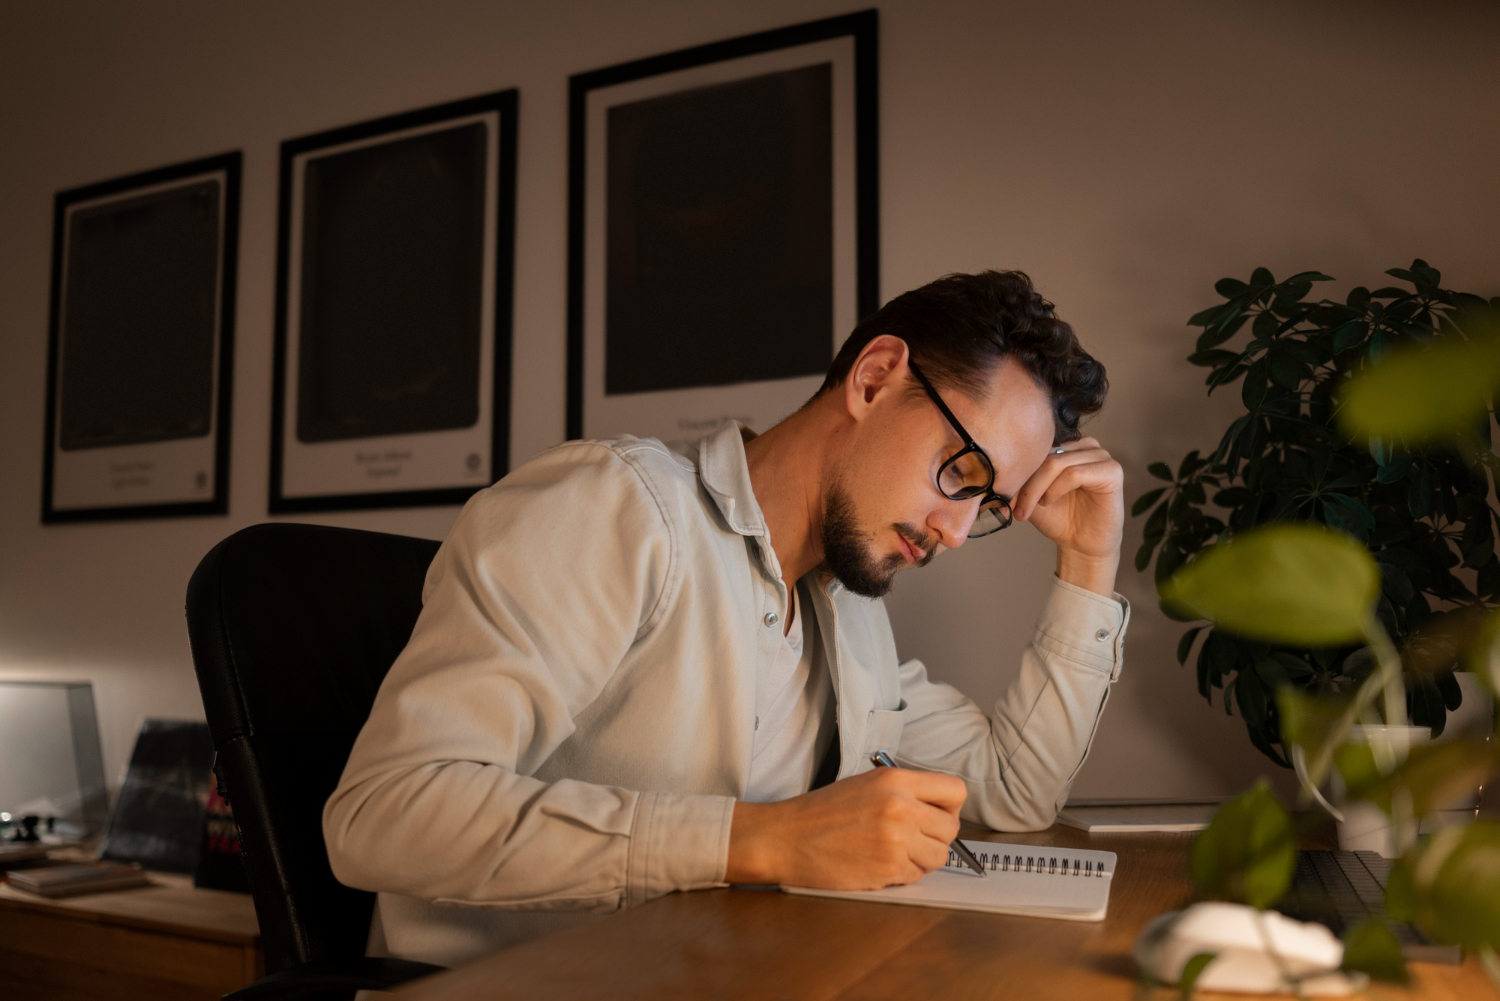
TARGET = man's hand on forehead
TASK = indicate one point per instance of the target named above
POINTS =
(1076, 499)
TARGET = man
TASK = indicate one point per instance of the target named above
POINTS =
(639, 668)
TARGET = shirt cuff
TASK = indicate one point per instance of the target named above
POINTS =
(677, 842)
(1085, 627)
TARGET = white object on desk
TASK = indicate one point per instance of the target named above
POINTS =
(1237, 935)
(1029, 880)
(1138, 817)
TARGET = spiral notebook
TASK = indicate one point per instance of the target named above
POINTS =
(1030, 880)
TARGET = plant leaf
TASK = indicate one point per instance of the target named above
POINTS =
(1422, 394)
(1318, 725)
(1370, 947)
(1348, 335)
(1160, 470)
(1483, 657)
(1144, 501)
(1253, 391)
(1191, 970)
(1247, 853)
(1450, 885)
(1213, 314)
(1212, 358)
(1433, 775)
(1156, 525)
(1359, 514)
(1185, 645)
(1291, 584)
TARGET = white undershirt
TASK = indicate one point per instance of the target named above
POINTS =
(793, 712)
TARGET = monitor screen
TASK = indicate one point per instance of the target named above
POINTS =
(50, 761)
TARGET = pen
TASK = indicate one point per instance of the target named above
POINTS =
(884, 760)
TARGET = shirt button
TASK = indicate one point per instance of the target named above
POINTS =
(771, 618)
(1102, 635)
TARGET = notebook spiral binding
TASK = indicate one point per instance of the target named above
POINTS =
(1052, 865)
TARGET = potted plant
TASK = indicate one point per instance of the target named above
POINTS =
(1423, 511)
(1302, 586)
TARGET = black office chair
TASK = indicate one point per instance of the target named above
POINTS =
(293, 628)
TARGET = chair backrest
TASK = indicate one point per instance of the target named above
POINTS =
(293, 628)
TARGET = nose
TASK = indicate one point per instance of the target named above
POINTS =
(951, 521)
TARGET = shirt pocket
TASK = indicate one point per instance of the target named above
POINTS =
(883, 730)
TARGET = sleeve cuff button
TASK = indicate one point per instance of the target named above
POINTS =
(1102, 635)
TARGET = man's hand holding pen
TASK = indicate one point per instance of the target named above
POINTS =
(879, 828)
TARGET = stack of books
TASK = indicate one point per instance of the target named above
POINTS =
(85, 877)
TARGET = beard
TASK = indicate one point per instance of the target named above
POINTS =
(848, 550)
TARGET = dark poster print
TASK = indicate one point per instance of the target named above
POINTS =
(720, 234)
(138, 361)
(140, 350)
(722, 212)
(392, 276)
(395, 269)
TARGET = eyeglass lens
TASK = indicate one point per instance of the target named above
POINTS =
(968, 474)
(991, 518)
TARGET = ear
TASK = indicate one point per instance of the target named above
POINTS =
(880, 370)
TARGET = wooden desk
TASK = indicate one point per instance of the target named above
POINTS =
(165, 942)
(765, 944)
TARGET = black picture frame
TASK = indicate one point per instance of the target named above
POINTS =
(444, 128)
(862, 29)
(156, 247)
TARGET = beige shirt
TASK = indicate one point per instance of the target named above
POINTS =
(569, 727)
(793, 713)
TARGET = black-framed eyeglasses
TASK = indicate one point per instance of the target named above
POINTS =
(968, 473)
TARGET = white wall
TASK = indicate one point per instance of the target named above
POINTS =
(1126, 155)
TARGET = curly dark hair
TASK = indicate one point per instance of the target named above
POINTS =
(960, 326)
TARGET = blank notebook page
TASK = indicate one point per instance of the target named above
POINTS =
(1031, 880)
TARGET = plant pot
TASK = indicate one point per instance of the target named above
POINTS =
(1366, 827)
(1473, 720)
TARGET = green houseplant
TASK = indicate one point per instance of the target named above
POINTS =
(1303, 586)
(1423, 511)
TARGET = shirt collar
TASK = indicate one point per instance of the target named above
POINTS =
(725, 473)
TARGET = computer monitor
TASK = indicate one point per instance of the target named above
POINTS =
(50, 761)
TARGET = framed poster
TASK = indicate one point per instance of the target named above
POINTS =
(393, 309)
(140, 344)
(722, 228)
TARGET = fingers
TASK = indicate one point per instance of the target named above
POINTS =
(928, 854)
(945, 792)
(1080, 477)
(1080, 464)
(939, 825)
(881, 827)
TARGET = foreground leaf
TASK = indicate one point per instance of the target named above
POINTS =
(1434, 776)
(1439, 646)
(1484, 654)
(1247, 853)
(1294, 584)
(1420, 395)
(1191, 970)
(1369, 947)
(1318, 725)
(1450, 886)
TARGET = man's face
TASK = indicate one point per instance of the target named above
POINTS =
(883, 511)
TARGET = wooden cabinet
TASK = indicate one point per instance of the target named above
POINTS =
(165, 942)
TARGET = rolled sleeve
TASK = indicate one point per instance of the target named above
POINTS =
(1084, 627)
(677, 842)
(1020, 760)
